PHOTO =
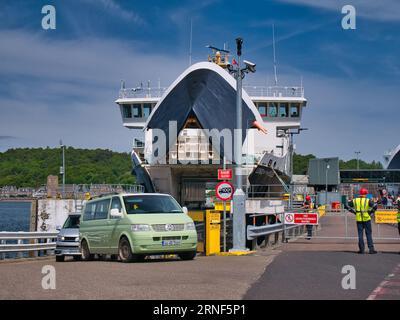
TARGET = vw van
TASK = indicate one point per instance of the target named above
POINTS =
(132, 226)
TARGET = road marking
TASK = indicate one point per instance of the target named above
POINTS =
(388, 286)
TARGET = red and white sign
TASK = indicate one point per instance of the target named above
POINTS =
(224, 174)
(224, 191)
(301, 218)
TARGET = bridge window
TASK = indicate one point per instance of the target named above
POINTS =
(137, 110)
(294, 110)
(127, 110)
(147, 110)
(283, 110)
(262, 108)
(272, 109)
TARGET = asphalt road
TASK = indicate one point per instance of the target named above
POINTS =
(313, 269)
(204, 278)
(300, 269)
(318, 275)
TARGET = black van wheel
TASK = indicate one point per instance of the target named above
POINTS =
(60, 258)
(187, 255)
(77, 258)
(86, 255)
(125, 251)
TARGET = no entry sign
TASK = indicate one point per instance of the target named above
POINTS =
(224, 191)
(224, 174)
(301, 218)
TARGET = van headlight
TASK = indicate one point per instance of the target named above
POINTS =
(140, 227)
(60, 238)
(77, 239)
(190, 226)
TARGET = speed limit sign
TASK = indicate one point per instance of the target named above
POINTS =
(224, 191)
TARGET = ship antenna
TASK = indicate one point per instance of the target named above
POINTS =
(190, 42)
(273, 48)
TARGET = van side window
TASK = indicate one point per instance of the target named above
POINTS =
(102, 209)
(89, 212)
(116, 204)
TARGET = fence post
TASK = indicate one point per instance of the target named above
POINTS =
(3, 255)
(20, 253)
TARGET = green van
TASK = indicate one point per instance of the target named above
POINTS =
(132, 226)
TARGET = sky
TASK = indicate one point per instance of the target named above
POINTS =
(63, 83)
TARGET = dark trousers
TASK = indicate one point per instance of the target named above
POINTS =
(368, 232)
(398, 227)
(309, 230)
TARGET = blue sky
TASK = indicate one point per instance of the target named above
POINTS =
(62, 83)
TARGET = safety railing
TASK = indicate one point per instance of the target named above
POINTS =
(274, 91)
(141, 92)
(254, 232)
(19, 244)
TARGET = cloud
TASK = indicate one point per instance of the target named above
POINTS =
(52, 89)
(388, 10)
(7, 137)
(116, 9)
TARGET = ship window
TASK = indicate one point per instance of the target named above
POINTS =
(262, 108)
(146, 110)
(294, 110)
(127, 110)
(283, 110)
(272, 109)
(137, 110)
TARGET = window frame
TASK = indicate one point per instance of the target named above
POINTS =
(127, 110)
(137, 106)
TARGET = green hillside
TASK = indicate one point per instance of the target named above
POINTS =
(30, 167)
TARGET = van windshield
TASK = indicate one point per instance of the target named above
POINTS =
(142, 204)
(71, 222)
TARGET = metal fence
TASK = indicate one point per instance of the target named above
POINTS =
(26, 244)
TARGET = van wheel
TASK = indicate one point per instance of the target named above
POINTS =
(60, 258)
(125, 252)
(77, 258)
(86, 255)
(187, 255)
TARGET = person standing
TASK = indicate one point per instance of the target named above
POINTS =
(398, 213)
(308, 205)
(363, 208)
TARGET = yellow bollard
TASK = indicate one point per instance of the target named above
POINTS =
(213, 232)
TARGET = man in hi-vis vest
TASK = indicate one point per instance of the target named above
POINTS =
(363, 208)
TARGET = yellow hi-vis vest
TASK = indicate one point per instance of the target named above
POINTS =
(398, 211)
(361, 205)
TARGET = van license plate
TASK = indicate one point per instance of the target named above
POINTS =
(171, 242)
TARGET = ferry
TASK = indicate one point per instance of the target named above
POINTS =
(201, 99)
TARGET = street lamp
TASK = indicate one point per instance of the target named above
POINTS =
(358, 165)
(239, 197)
(326, 182)
(62, 168)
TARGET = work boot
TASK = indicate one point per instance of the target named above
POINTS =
(372, 251)
(360, 252)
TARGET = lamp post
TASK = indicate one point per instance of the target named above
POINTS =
(358, 164)
(62, 168)
(326, 182)
(239, 197)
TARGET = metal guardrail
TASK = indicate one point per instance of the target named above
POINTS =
(254, 232)
(37, 241)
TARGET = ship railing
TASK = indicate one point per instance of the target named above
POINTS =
(152, 92)
(26, 244)
(274, 91)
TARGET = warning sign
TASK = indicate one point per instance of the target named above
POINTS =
(386, 216)
(301, 218)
